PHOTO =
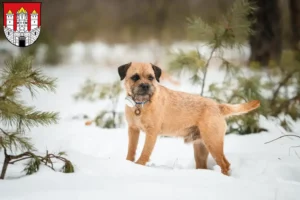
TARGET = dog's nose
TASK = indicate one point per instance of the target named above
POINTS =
(145, 86)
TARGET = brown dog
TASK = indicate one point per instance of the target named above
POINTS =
(161, 111)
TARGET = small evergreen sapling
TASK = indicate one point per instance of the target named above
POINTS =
(17, 118)
(93, 91)
(230, 31)
(277, 87)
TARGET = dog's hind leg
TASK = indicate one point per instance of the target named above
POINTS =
(200, 151)
(200, 155)
(212, 134)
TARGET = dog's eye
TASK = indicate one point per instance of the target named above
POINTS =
(135, 77)
(150, 78)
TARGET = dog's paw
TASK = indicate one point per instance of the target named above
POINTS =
(141, 162)
(129, 158)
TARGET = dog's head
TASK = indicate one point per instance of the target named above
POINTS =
(140, 80)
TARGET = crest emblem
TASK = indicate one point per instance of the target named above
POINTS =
(22, 22)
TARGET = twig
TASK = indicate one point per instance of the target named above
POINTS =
(294, 150)
(281, 84)
(28, 153)
(46, 163)
(13, 162)
(5, 133)
(285, 104)
(175, 162)
(297, 154)
(205, 68)
(282, 137)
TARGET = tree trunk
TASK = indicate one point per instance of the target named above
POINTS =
(265, 43)
(295, 23)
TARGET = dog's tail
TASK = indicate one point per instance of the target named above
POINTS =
(238, 109)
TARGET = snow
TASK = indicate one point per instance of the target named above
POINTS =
(258, 171)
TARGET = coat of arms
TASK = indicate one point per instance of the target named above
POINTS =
(22, 22)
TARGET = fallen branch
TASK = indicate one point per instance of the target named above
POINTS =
(31, 168)
(282, 137)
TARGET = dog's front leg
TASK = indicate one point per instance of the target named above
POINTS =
(150, 141)
(133, 138)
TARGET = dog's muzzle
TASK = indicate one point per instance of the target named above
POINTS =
(142, 92)
(143, 89)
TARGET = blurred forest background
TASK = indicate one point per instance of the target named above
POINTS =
(133, 21)
(122, 21)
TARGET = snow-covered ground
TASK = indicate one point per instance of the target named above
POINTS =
(258, 171)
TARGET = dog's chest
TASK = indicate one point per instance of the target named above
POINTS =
(142, 121)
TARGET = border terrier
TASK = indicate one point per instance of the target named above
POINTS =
(157, 110)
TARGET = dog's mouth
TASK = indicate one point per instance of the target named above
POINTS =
(142, 94)
(141, 97)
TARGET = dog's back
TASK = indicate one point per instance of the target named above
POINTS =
(182, 110)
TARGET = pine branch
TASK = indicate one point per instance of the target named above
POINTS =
(285, 104)
(35, 118)
(12, 113)
(281, 84)
(19, 72)
(192, 60)
(14, 141)
(231, 30)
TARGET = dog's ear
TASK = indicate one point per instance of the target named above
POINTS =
(157, 72)
(122, 70)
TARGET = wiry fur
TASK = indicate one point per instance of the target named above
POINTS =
(172, 113)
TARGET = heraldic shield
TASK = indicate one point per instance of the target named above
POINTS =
(22, 22)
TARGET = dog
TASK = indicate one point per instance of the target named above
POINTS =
(157, 110)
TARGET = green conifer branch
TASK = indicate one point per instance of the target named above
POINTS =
(14, 114)
(19, 72)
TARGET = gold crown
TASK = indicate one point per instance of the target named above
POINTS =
(22, 10)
